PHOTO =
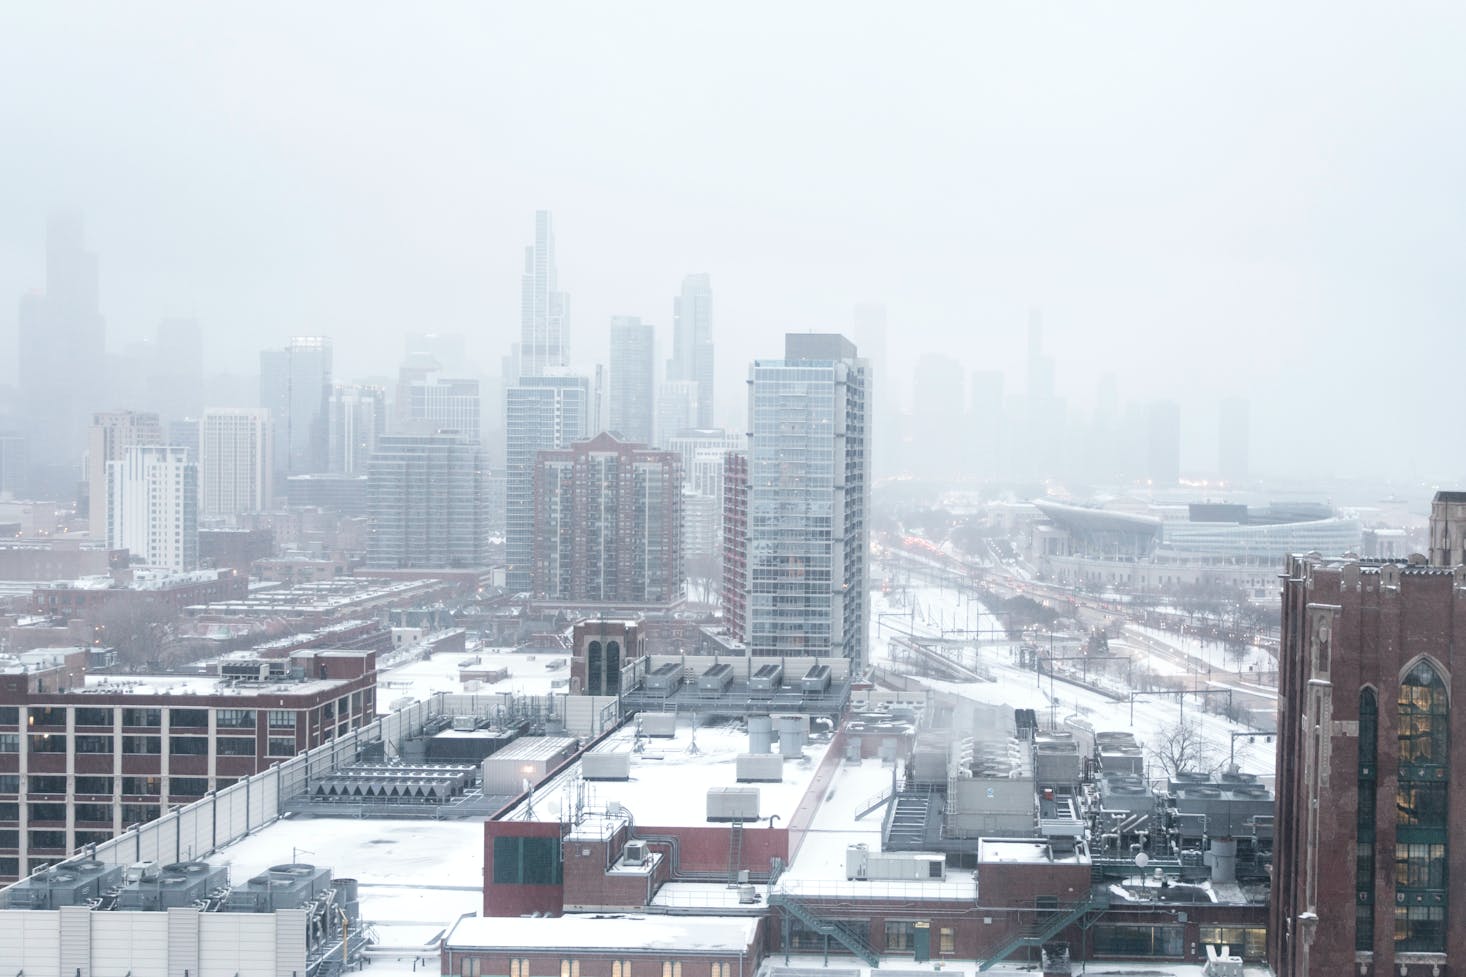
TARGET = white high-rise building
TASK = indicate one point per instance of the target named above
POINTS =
(112, 433)
(544, 310)
(677, 409)
(808, 492)
(692, 343)
(152, 507)
(445, 405)
(356, 419)
(633, 379)
(235, 462)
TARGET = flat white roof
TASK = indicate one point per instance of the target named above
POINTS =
(706, 934)
(670, 779)
(184, 685)
(415, 876)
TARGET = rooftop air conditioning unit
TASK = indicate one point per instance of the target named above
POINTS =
(634, 853)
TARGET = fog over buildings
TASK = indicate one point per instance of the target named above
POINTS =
(1261, 203)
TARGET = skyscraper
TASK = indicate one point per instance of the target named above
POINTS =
(808, 493)
(1163, 443)
(295, 386)
(677, 409)
(112, 433)
(152, 507)
(541, 413)
(427, 501)
(235, 458)
(1234, 429)
(608, 523)
(61, 356)
(544, 311)
(446, 405)
(633, 379)
(692, 342)
(357, 416)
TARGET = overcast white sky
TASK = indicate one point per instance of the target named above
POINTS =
(1256, 198)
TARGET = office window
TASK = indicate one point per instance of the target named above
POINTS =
(281, 747)
(9, 838)
(48, 716)
(235, 718)
(235, 746)
(48, 838)
(141, 786)
(188, 786)
(900, 935)
(191, 718)
(947, 941)
(48, 743)
(142, 717)
(569, 968)
(93, 785)
(94, 812)
(281, 719)
(47, 812)
(46, 783)
(9, 715)
(93, 716)
(93, 743)
(140, 813)
(188, 745)
(527, 861)
(9, 742)
(9, 783)
(148, 745)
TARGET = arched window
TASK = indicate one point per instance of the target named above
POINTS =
(593, 668)
(1364, 842)
(613, 667)
(1421, 811)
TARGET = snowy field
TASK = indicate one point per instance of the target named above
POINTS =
(1064, 705)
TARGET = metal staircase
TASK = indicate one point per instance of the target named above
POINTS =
(907, 828)
(1047, 928)
(827, 928)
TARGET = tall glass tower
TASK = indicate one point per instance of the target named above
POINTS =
(807, 574)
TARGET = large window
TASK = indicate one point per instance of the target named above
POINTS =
(1364, 821)
(1139, 941)
(1250, 942)
(900, 936)
(1421, 850)
(527, 861)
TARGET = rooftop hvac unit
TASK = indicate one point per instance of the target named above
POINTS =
(716, 678)
(759, 768)
(606, 766)
(766, 678)
(816, 680)
(733, 804)
(465, 722)
(635, 853)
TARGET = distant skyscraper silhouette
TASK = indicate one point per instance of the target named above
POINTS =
(544, 311)
(1234, 430)
(1163, 443)
(692, 342)
(633, 379)
(61, 357)
(357, 417)
(295, 386)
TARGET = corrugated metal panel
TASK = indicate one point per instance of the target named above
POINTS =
(30, 942)
(183, 942)
(129, 943)
(193, 832)
(237, 944)
(290, 943)
(76, 940)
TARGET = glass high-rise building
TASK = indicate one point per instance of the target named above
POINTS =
(541, 413)
(633, 379)
(692, 342)
(427, 502)
(295, 385)
(808, 492)
(544, 310)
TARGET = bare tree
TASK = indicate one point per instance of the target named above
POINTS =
(1183, 746)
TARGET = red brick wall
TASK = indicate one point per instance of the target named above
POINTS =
(706, 849)
(518, 900)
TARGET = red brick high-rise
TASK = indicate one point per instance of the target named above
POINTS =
(1368, 727)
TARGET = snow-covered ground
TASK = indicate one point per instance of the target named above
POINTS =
(1152, 717)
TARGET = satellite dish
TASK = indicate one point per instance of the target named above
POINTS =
(1142, 860)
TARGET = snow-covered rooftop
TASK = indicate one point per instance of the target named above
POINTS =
(709, 934)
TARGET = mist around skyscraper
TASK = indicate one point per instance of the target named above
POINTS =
(714, 491)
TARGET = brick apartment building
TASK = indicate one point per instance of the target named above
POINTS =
(83, 757)
(608, 524)
(1367, 732)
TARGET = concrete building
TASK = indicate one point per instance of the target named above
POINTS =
(542, 414)
(692, 343)
(343, 494)
(100, 753)
(152, 507)
(633, 379)
(608, 524)
(427, 500)
(295, 386)
(1368, 680)
(544, 310)
(445, 405)
(357, 416)
(808, 495)
(234, 458)
(677, 409)
(112, 433)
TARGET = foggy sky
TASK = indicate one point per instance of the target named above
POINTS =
(1262, 199)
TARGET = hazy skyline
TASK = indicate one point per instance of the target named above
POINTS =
(1256, 200)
